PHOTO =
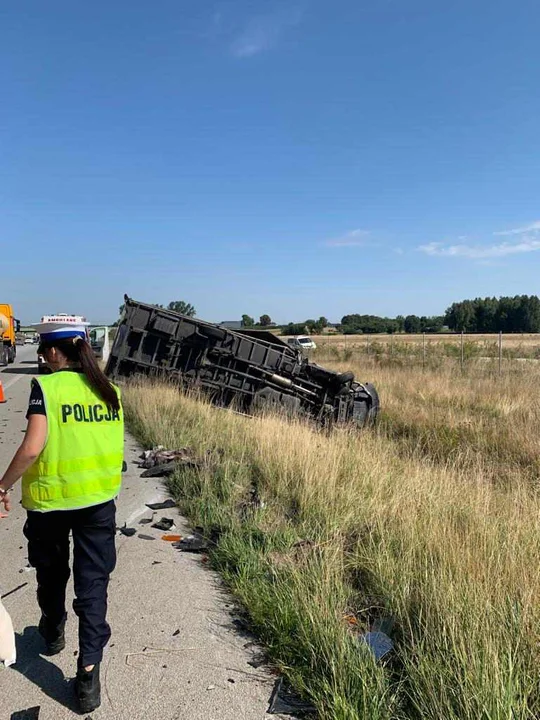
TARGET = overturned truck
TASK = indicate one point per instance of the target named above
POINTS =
(249, 370)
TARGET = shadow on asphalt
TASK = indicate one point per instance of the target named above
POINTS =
(41, 671)
(20, 371)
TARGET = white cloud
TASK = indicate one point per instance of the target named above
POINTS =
(527, 244)
(262, 32)
(353, 238)
(533, 227)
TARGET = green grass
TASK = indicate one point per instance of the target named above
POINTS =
(356, 527)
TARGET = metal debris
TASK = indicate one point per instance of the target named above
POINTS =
(165, 505)
(284, 701)
(192, 543)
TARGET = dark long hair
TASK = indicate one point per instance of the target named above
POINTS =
(77, 350)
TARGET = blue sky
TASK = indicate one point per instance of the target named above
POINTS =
(297, 158)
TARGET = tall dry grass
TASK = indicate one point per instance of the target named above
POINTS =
(432, 519)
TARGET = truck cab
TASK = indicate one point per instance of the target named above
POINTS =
(100, 342)
(9, 327)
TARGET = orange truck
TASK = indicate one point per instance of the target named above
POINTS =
(8, 327)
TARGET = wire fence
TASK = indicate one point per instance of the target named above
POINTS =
(496, 353)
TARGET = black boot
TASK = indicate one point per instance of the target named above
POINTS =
(88, 688)
(54, 637)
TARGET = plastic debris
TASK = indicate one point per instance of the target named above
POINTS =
(8, 653)
(30, 714)
(171, 538)
(27, 568)
(128, 532)
(164, 524)
(145, 537)
(284, 701)
(192, 543)
(165, 505)
(378, 642)
(160, 462)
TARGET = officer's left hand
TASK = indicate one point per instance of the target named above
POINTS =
(5, 500)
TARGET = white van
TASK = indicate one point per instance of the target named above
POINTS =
(302, 342)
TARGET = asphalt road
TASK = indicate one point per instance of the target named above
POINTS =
(175, 653)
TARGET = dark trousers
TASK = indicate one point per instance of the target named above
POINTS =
(94, 557)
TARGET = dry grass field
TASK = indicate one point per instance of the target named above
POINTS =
(432, 518)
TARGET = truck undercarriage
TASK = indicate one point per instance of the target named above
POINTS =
(249, 370)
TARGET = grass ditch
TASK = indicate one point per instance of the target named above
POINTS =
(318, 535)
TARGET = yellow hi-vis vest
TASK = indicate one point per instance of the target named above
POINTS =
(81, 463)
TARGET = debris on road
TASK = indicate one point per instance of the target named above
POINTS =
(160, 462)
(171, 538)
(10, 592)
(145, 537)
(165, 505)
(27, 568)
(127, 531)
(192, 543)
(249, 370)
(284, 701)
(164, 524)
(30, 714)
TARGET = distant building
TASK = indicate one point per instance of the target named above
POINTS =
(231, 324)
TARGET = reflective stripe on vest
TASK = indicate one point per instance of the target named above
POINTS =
(81, 463)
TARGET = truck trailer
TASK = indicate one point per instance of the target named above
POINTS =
(248, 370)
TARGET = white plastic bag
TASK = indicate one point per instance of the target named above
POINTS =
(8, 654)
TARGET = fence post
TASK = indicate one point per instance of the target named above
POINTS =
(500, 352)
(462, 352)
(423, 351)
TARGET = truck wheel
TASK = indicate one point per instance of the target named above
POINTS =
(365, 411)
(4, 355)
(11, 355)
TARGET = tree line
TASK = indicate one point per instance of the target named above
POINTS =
(179, 306)
(520, 313)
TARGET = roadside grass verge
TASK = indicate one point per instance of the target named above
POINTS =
(318, 535)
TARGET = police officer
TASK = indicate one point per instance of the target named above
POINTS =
(71, 462)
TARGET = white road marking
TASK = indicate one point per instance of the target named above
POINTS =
(13, 381)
